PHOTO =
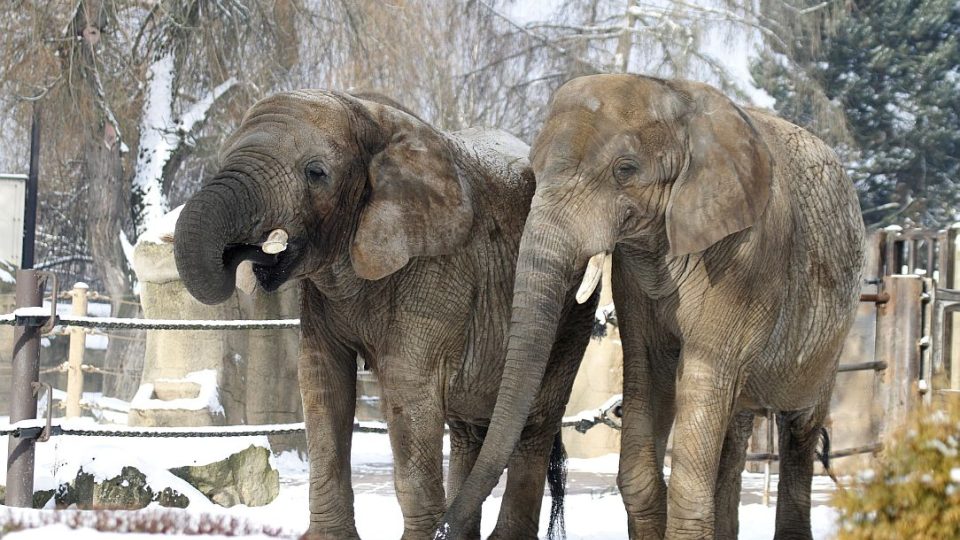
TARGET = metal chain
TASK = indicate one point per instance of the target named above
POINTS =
(162, 324)
(285, 429)
(580, 424)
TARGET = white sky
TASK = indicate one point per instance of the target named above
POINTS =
(733, 53)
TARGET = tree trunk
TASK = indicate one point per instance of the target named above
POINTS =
(108, 200)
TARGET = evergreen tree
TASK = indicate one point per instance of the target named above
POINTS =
(883, 85)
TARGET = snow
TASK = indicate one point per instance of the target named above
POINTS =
(94, 309)
(591, 414)
(735, 56)
(162, 229)
(103, 408)
(605, 464)
(155, 143)
(36, 311)
(198, 111)
(6, 277)
(591, 514)
(127, 248)
(208, 396)
(96, 342)
(603, 313)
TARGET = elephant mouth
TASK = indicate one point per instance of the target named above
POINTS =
(271, 270)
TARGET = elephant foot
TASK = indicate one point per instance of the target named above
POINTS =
(799, 533)
(513, 535)
(417, 535)
(341, 533)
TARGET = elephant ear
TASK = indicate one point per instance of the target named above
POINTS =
(727, 184)
(419, 206)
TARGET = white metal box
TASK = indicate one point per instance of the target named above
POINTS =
(12, 194)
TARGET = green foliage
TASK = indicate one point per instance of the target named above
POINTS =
(914, 491)
(884, 85)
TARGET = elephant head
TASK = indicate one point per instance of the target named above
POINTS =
(669, 168)
(313, 178)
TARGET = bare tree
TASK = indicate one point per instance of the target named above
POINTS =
(125, 87)
(138, 94)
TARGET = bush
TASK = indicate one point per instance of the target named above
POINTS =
(914, 490)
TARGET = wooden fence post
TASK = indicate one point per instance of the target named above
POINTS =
(898, 344)
(948, 280)
(78, 339)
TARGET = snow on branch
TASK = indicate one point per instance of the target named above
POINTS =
(682, 10)
(161, 135)
(198, 112)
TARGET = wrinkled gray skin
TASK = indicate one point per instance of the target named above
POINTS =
(737, 246)
(404, 240)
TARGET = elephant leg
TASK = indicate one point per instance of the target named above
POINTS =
(465, 443)
(799, 434)
(526, 474)
(527, 469)
(328, 382)
(732, 459)
(649, 381)
(415, 424)
(706, 392)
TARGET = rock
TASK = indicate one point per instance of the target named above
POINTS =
(41, 497)
(243, 478)
(128, 491)
(171, 498)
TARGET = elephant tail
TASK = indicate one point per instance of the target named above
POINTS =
(824, 454)
(557, 480)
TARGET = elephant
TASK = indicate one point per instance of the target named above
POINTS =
(404, 241)
(737, 244)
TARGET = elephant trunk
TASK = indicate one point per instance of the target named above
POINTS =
(210, 238)
(545, 267)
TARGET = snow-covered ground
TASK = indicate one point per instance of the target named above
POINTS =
(593, 507)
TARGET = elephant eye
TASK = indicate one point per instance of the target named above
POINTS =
(624, 168)
(316, 173)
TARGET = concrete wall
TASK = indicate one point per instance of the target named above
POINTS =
(8, 303)
(255, 370)
(600, 376)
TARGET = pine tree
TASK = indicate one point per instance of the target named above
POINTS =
(883, 86)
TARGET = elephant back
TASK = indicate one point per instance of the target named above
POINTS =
(502, 155)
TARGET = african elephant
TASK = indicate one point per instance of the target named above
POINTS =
(737, 246)
(404, 239)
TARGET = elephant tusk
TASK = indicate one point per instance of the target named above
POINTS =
(276, 242)
(591, 277)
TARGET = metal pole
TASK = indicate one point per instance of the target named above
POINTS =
(78, 338)
(26, 342)
(23, 405)
(30, 204)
